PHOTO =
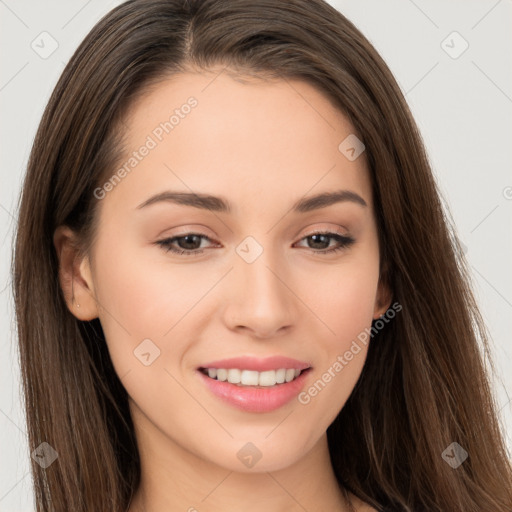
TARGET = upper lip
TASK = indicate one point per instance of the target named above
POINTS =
(258, 364)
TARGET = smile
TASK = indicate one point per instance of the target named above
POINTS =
(252, 378)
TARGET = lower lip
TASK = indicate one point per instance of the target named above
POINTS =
(252, 399)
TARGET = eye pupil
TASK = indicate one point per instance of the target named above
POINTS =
(319, 236)
(196, 240)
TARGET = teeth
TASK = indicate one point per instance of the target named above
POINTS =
(267, 378)
(234, 376)
(253, 378)
(222, 374)
(249, 378)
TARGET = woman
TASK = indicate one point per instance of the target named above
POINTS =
(234, 277)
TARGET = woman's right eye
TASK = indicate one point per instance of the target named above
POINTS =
(189, 239)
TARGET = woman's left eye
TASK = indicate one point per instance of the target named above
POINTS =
(190, 243)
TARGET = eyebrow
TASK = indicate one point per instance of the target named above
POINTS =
(221, 205)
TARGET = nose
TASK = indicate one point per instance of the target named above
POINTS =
(260, 299)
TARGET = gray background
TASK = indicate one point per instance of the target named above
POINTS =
(462, 105)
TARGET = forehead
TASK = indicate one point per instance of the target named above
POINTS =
(265, 139)
(267, 106)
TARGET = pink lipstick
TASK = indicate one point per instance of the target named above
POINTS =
(255, 384)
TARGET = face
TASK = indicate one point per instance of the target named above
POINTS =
(181, 284)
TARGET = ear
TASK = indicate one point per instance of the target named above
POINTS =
(75, 276)
(382, 299)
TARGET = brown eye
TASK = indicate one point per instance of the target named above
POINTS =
(188, 244)
(320, 241)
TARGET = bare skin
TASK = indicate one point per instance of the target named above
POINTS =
(262, 146)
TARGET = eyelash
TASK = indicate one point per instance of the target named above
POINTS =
(344, 242)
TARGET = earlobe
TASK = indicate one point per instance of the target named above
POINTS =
(75, 276)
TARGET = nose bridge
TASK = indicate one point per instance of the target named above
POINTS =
(262, 302)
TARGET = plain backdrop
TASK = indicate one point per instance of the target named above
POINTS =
(452, 60)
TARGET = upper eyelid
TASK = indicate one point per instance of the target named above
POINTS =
(342, 241)
(202, 235)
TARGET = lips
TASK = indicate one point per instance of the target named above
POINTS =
(251, 397)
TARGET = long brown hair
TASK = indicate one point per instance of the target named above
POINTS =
(424, 384)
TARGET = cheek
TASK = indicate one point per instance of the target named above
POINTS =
(345, 299)
(345, 305)
(140, 291)
(144, 297)
(134, 304)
